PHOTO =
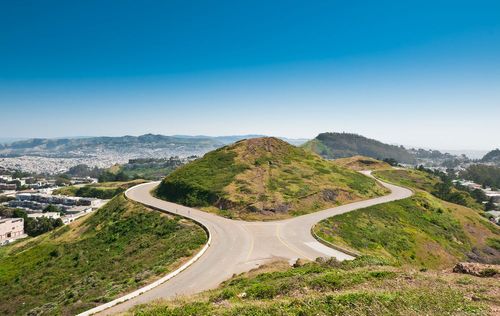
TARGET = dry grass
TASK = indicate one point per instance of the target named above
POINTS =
(360, 163)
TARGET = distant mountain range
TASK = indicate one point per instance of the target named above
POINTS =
(341, 145)
(328, 145)
(148, 145)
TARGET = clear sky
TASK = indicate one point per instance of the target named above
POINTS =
(417, 73)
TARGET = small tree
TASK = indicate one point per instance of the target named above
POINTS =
(51, 208)
(490, 205)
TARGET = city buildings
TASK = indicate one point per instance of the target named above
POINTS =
(7, 187)
(39, 201)
(53, 215)
(70, 207)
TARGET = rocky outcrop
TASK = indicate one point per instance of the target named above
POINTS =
(477, 269)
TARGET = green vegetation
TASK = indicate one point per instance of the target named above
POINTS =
(365, 286)
(82, 170)
(145, 168)
(485, 175)
(435, 182)
(141, 168)
(32, 226)
(265, 178)
(105, 190)
(37, 226)
(409, 178)
(120, 247)
(420, 231)
(340, 145)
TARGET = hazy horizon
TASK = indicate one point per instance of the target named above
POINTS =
(471, 153)
(426, 77)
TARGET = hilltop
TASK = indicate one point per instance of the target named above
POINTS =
(93, 260)
(492, 157)
(265, 178)
(341, 145)
(362, 163)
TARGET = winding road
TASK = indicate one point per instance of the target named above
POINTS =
(239, 246)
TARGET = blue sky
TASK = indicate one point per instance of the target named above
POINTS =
(418, 73)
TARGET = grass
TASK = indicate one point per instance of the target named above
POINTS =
(365, 286)
(362, 163)
(115, 250)
(409, 178)
(422, 181)
(104, 190)
(265, 178)
(421, 231)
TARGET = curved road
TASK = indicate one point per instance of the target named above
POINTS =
(239, 246)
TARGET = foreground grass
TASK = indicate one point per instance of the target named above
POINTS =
(265, 178)
(365, 286)
(117, 249)
(104, 190)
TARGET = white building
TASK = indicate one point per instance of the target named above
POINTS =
(53, 215)
(10, 229)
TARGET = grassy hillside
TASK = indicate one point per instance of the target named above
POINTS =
(265, 178)
(341, 145)
(104, 190)
(431, 183)
(365, 286)
(362, 163)
(117, 249)
(422, 230)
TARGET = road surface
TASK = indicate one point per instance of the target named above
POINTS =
(239, 246)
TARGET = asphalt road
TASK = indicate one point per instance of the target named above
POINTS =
(239, 246)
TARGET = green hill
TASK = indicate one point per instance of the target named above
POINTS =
(265, 178)
(492, 157)
(485, 175)
(115, 250)
(365, 286)
(341, 145)
(421, 231)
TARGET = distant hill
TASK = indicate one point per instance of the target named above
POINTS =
(126, 147)
(226, 140)
(148, 145)
(341, 145)
(492, 157)
(264, 177)
(483, 174)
